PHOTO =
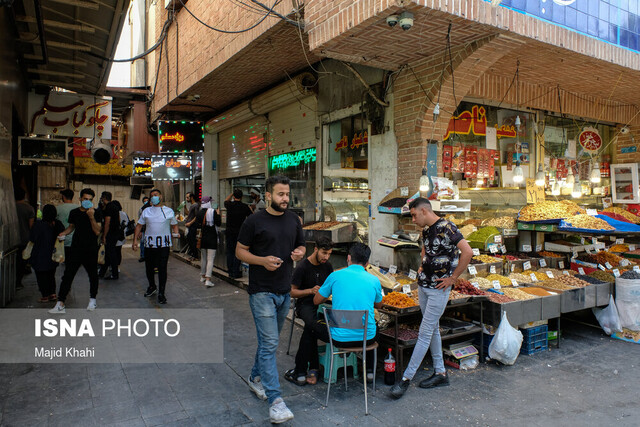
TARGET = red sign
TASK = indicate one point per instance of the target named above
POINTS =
(80, 148)
(475, 121)
(590, 139)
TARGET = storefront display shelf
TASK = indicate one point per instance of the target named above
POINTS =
(461, 205)
(518, 312)
(337, 234)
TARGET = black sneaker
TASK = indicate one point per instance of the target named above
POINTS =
(399, 388)
(161, 299)
(111, 278)
(435, 380)
(151, 290)
(140, 259)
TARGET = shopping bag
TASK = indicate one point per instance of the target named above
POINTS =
(101, 255)
(58, 251)
(506, 343)
(26, 252)
(608, 317)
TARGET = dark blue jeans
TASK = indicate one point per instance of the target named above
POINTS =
(269, 313)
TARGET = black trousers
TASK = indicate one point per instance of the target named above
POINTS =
(192, 241)
(111, 258)
(46, 282)
(21, 266)
(87, 258)
(233, 263)
(157, 258)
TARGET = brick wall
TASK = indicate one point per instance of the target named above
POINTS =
(628, 140)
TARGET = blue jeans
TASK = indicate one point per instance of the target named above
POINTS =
(432, 303)
(269, 313)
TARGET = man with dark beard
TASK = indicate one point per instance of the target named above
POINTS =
(308, 276)
(269, 241)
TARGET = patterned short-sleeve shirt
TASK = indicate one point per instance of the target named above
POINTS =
(441, 253)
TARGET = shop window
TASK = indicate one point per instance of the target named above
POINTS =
(348, 146)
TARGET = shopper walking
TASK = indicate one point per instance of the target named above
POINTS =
(237, 212)
(258, 204)
(145, 204)
(192, 225)
(445, 256)
(64, 210)
(110, 236)
(43, 235)
(160, 223)
(84, 222)
(270, 241)
(208, 218)
(26, 217)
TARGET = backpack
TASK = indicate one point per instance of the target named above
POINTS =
(128, 226)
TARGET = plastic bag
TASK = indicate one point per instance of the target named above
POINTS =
(628, 303)
(506, 343)
(101, 255)
(26, 252)
(608, 317)
(58, 251)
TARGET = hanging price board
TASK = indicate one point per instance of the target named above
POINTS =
(624, 262)
(592, 212)
(632, 247)
(581, 271)
(526, 265)
(475, 285)
(594, 240)
(503, 249)
(636, 269)
(413, 274)
(493, 249)
(497, 239)
(513, 268)
(543, 263)
(393, 269)
(472, 270)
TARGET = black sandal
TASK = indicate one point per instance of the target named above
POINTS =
(290, 376)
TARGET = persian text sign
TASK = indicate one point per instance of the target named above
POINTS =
(289, 160)
(70, 114)
(88, 166)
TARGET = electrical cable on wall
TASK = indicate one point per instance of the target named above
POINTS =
(269, 12)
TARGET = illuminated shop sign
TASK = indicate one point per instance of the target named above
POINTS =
(358, 140)
(291, 160)
(171, 167)
(180, 136)
(142, 167)
(475, 122)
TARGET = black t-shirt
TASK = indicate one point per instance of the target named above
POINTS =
(237, 212)
(271, 235)
(83, 236)
(307, 275)
(112, 211)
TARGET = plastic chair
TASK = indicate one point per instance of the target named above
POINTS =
(324, 357)
(350, 319)
(293, 322)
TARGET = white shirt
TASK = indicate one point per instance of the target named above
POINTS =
(158, 221)
(124, 220)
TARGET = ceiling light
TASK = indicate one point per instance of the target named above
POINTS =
(436, 112)
(577, 190)
(424, 181)
(518, 174)
(540, 178)
(518, 123)
(570, 178)
(555, 190)
(595, 173)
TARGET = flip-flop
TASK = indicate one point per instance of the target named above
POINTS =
(43, 299)
(290, 376)
(312, 377)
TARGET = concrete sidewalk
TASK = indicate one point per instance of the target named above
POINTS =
(591, 380)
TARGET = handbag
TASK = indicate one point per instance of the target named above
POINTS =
(199, 236)
(26, 252)
(101, 255)
(58, 251)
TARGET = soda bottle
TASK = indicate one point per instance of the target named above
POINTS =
(390, 369)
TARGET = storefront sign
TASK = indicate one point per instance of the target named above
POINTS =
(180, 136)
(70, 114)
(80, 148)
(291, 160)
(590, 139)
(88, 166)
(142, 167)
(42, 149)
(475, 122)
(358, 140)
(624, 150)
(171, 167)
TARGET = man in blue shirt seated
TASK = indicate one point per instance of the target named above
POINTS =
(352, 288)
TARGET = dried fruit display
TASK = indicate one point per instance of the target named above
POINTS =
(520, 278)
(398, 299)
(465, 287)
(483, 236)
(471, 221)
(556, 284)
(550, 210)
(486, 259)
(504, 281)
(533, 290)
(467, 230)
(500, 299)
(588, 222)
(404, 334)
(630, 275)
(517, 294)
(501, 222)
(453, 294)
(481, 282)
(607, 257)
(321, 225)
(550, 254)
(589, 279)
(602, 276)
(619, 248)
(573, 281)
(626, 214)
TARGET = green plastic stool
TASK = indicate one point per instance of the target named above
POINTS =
(338, 363)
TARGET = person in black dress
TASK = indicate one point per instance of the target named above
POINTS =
(43, 234)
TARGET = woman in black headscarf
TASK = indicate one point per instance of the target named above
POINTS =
(43, 235)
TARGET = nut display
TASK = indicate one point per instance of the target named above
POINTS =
(500, 299)
(588, 222)
(556, 284)
(533, 290)
(486, 259)
(626, 214)
(550, 210)
(323, 225)
(619, 248)
(504, 281)
(467, 230)
(517, 294)
(520, 278)
(573, 281)
(465, 287)
(482, 282)
(602, 276)
(550, 254)
(398, 299)
(501, 222)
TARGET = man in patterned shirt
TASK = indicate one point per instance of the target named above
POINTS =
(442, 264)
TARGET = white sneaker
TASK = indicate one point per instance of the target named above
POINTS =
(58, 309)
(209, 284)
(203, 279)
(279, 413)
(256, 386)
(92, 304)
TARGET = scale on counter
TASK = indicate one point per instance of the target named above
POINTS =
(400, 239)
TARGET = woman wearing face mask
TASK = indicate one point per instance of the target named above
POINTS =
(208, 218)
(43, 235)
(160, 221)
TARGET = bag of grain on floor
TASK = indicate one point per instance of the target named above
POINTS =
(628, 299)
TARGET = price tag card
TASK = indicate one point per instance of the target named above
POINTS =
(543, 262)
(602, 267)
(538, 248)
(503, 249)
(533, 277)
(526, 265)
(472, 270)
(475, 285)
(394, 236)
(592, 212)
(474, 229)
(616, 272)
(594, 240)
(632, 247)
(609, 266)
(413, 274)
(582, 240)
(561, 265)
(497, 239)
(393, 269)
(406, 289)
(493, 249)
(476, 251)
(636, 268)
(624, 262)
(619, 241)
(496, 284)
(492, 269)
(526, 248)
(588, 251)
(566, 273)
(513, 268)
(376, 263)
(549, 274)
(596, 250)
(514, 282)
(581, 271)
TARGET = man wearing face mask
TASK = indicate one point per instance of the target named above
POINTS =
(84, 222)
(161, 225)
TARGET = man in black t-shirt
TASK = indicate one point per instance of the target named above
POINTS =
(85, 223)
(308, 277)
(192, 225)
(110, 236)
(270, 241)
(237, 212)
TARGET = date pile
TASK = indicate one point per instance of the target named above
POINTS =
(465, 287)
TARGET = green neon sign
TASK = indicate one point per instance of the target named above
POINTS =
(290, 160)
